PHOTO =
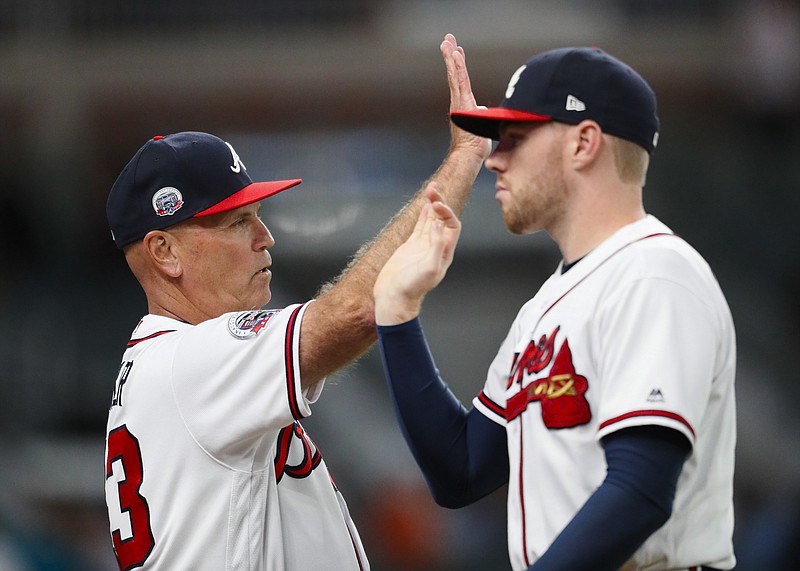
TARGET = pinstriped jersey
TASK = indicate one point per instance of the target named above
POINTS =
(207, 464)
(638, 333)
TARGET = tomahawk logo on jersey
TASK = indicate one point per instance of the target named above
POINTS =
(561, 394)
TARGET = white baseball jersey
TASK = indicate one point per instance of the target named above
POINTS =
(207, 465)
(638, 333)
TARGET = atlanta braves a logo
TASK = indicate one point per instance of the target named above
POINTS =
(237, 165)
(562, 393)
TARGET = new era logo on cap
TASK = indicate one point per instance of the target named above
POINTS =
(570, 85)
(177, 177)
(575, 104)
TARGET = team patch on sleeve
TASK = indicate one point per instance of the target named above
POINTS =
(247, 324)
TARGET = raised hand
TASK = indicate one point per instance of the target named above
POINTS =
(419, 264)
(461, 96)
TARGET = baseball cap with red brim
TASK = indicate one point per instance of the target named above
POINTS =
(570, 85)
(180, 176)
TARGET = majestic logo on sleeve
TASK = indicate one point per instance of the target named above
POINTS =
(562, 394)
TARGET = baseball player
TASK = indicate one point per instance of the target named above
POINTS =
(208, 466)
(609, 408)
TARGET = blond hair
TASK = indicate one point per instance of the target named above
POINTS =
(631, 160)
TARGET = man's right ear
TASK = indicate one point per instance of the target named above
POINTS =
(160, 246)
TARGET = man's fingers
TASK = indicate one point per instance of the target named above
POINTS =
(440, 208)
(450, 52)
(432, 192)
(449, 43)
(444, 212)
(462, 77)
(424, 215)
(461, 97)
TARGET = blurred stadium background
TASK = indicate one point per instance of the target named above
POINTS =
(350, 95)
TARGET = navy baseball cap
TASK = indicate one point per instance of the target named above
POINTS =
(177, 177)
(569, 85)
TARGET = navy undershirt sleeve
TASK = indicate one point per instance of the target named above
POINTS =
(634, 500)
(462, 454)
(463, 457)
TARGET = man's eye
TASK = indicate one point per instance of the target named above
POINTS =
(509, 142)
